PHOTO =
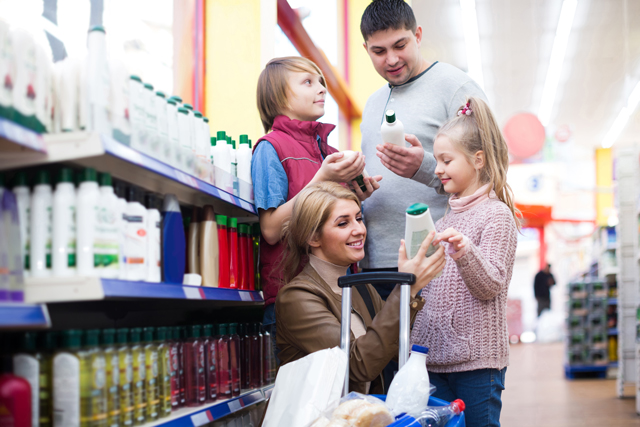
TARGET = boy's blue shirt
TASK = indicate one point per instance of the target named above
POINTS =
(270, 182)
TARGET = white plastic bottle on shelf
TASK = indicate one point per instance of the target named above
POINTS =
(120, 101)
(82, 102)
(198, 131)
(231, 143)
(98, 82)
(121, 213)
(163, 129)
(109, 224)
(206, 149)
(392, 129)
(244, 156)
(175, 156)
(67, 95)
(186, 151)
(87, 211)
(137, 114)
(44, 81)
(23, 198)
(41, 200)
(137, 237)
(7, 70)
(24, 83)
(221, 161)
(154, 223)
(410, 389)
(64, 226)
(151, 122)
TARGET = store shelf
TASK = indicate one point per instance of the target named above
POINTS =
(195, 417)
(572, 372)
(16, 140)
(108, 155)
(23, 316)
(613, 301)
(610, 271)
(74, 289)
(612, 331)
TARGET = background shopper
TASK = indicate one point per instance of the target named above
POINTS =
(542, 284)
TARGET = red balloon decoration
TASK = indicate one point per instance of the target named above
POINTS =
(524, 134)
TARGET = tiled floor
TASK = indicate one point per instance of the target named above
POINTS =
(537, 394)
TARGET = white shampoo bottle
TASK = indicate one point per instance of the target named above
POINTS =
(64, 225)
(41, 201)
(392, 129)
(87, 212)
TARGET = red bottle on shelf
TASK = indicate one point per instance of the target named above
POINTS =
(268, 363)
(194, 368)
(176, 368)
(15, 397)
(211, 363)
(224, 365)
(223, 252)
(245, 357)
(245, 263)
(250, 273)
(234, 359)
(234, 272)
(257, 354)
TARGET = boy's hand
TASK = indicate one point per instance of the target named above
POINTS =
(402, 161)
(372, 185)
(453, 237)
(334, 169)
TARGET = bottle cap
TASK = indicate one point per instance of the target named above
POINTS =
(221, 220)
(222, 329)
(214, 140)
(228, 140)
(183, 111)
(177, 99)
(161, 333)
(43, 177)
(19, 179)
(460, 404)
(91, 337)
(148, 334)
(133, 195)
(160, 94)
(152, 201)
(89, 175)
(182, 330)
(244, 228)
(97, 28)
(250, 144)
(171, 101)
(108, 336)
(244, 139)
(417, 209)
(206, 330)
(198, 114)
(242, 329)
(65, 175)
(233, 143)
(194, 331)
(136, 78)
(71, 339)
(255, 229)
(135, 335)
(123, 335)
(105, 179)
(170, 203)
(148, 86)
(192, 279)
(188, 106)
(233, 222)
(49, 340)
(233, 328)
(390, 116)
(206, 120)
(120, 189)
(221, 135)
(208, 213)
(419, 349)
(28, 341)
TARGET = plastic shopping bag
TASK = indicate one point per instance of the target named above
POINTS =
(305, 388)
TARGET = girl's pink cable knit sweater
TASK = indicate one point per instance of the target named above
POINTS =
(464, 320)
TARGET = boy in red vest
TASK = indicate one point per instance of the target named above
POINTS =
(293, 154)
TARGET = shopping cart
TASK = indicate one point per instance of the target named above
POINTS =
(405, 280)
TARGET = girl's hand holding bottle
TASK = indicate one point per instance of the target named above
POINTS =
(453, 237)
(425, 268)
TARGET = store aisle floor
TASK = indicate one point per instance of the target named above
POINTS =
(537, 394)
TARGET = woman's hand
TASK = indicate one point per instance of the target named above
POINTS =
(453, 237)
(424, 268)
(371, 183)
(336, 170)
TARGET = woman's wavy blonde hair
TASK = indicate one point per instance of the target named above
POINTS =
(479, 131)
(311, 211)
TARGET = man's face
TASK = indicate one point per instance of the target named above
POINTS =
(395, 54)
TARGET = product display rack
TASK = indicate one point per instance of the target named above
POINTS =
(108, 155)
(23, 316)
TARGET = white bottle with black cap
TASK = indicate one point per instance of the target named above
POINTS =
(392, 129)
(136, 237)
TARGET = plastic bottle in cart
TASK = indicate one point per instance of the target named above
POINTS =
(23, 197)
(410, 389)
(63, 255)
(439, 416)
(392, 129)
(41, 204)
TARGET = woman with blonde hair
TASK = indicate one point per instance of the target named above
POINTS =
(326, 234)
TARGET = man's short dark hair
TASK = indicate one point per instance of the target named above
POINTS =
(382, 15)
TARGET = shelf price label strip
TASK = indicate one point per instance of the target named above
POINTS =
(21, 135)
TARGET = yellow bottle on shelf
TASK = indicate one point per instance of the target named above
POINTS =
(93, 382)
(164, 371)
(125, 364)
(139, 378)
(151, 361)
(113, 377)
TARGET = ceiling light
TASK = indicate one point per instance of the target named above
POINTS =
(472, 40)
(557, 58)
(623, 117)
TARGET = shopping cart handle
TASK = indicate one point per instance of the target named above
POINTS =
(376, 278)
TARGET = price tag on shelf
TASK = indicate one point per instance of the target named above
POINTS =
(201, 419)
(234, 405)
(245, 296)
(186, 179)
(192, 292)
(225, 196)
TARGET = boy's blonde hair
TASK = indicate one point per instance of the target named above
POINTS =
(479, 131)
(273, 88)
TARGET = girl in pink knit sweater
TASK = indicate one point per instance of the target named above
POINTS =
(464, 321)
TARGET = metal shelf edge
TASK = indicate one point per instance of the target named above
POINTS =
(20, 316)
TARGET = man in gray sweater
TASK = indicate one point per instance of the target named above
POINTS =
(424, 96)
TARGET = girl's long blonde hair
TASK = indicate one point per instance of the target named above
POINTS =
(479, 131)
(311, 211)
